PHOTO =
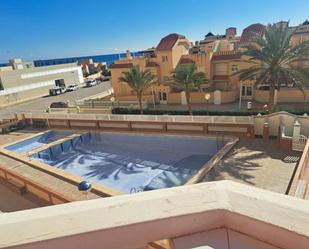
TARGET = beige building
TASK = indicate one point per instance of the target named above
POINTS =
(161, 61)
(218, 56)
(20, 81)
(89, 67)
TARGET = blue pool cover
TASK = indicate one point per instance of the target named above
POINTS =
(38, 141)
(131, 163)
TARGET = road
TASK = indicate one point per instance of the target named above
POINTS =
(43, 103)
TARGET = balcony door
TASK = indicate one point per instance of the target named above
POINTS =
(163, 97)
(246, 92)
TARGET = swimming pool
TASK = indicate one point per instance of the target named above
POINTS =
(37, 141)
(132, 162)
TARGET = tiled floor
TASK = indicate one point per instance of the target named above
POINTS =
(253, 162)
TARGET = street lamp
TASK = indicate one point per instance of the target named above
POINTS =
(207, 98)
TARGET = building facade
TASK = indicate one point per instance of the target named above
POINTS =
(161, 62)
(21, 81)
(218, 56)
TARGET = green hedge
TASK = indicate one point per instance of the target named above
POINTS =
(182, 112)
(127, 111)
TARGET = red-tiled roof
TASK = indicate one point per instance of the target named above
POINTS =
(148, 50)
(223, 57)
(123, 65)
(220, 77)
(186, 61)
(168, 42)
(151, 64)
(251, 31)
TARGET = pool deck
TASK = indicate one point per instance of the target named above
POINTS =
(62, 187)
(256, 163)
(250, 161)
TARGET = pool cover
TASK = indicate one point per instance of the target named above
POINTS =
(132, 163)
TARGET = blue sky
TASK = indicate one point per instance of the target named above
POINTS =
(41, 29)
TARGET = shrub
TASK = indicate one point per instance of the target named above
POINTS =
(127, 111)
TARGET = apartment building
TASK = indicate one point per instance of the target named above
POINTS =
(161, 61)
(218, 56)
(20, 81)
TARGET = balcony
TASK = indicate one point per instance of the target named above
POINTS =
(217, 215)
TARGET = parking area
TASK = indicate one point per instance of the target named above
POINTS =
(43, 103)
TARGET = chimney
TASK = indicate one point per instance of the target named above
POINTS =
(230, 33)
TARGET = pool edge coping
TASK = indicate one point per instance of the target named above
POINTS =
(24, 139)
(214, 160)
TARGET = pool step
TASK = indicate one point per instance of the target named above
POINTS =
(57, 142)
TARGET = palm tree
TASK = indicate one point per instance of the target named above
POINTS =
(139, 80)
(187, 79)
(274, 61)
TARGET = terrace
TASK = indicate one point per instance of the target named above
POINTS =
(220, 215)
(250, 161)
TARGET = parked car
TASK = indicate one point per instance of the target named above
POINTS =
(56, 90)
(91, 83)
(72, 88)
(59, 105)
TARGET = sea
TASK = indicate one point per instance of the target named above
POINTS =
(108, 58)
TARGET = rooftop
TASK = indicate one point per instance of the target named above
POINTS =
(251, 31)
(121, 65)
(168, 42)
(226, 55)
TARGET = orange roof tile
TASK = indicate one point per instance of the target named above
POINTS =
(168, 42)
(252, 30)
(123, 65)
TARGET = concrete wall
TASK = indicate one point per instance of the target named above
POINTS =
(71, 73)
(175, 98)
(24, 84)
(274, 122)
(274, 219)
(284, 96)
(19, 97)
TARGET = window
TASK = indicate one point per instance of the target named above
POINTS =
(249, 91)
(164, 58)
(162, 96)
(221, 69)
(243, 91)
(234, 68)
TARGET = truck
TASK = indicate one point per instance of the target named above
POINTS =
(56, 90)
